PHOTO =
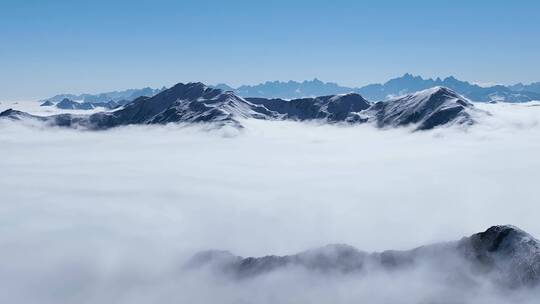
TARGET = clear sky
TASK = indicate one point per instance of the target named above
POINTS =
(57, 46)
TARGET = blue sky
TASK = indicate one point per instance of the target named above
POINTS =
(49, 47)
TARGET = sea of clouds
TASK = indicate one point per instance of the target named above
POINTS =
(112, 216)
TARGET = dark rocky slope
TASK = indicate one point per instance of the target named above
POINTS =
(333, 108)
(425, 109)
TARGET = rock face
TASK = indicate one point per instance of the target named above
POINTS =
(505, 254)
(511, 254)
(196, 103)
(426, 109)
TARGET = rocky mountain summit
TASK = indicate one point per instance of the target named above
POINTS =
(427, 109)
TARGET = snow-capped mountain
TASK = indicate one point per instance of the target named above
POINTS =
(195, 103)
(505, 255)
(426, 109)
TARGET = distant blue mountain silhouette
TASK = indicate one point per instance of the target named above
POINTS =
(114, 96)
(289, 89)
(405, 84)
(533, 87)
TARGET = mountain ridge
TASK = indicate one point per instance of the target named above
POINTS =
(505, 254)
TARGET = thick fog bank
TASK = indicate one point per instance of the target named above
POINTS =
(110, 217)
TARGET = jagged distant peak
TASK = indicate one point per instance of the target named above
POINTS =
(411, 76)
(406, 76)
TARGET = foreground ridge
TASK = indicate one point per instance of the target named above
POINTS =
(505, 255)
(198, 103)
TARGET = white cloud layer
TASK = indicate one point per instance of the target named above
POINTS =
(109, 217)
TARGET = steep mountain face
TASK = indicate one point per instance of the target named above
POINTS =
(399, 86)
(195, 102)
(427, 109)
(509, 253)
(331, 108)
(192, 102)
(504, 254)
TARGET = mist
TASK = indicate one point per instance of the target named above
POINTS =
(111, 216)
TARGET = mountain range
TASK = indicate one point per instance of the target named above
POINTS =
(395, 87)
(405, 84)
(196, 103)
(505, 255)
(108, 100)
